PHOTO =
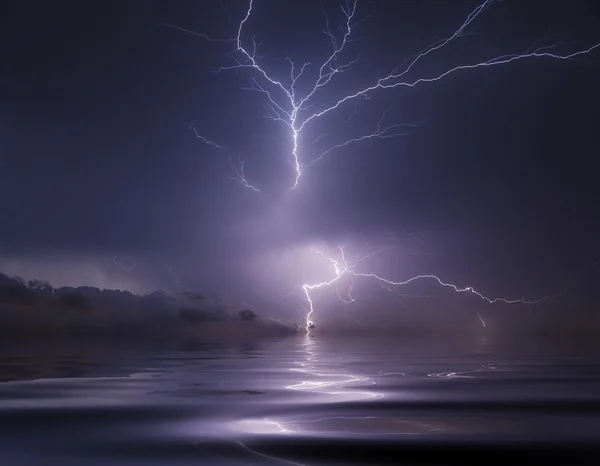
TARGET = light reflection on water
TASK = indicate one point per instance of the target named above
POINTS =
(273, 402)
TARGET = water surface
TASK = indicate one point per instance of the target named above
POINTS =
(309, 400)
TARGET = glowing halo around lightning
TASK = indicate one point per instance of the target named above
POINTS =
(341, 268)
(295, 108)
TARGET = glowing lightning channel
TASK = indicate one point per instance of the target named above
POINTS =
(240, 176)
(238, 170)
(391, 131)
(342, 267)
(129, 268)
(481, 320)
(205, 139)
(294, 109)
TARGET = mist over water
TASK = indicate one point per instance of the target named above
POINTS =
(306, 399)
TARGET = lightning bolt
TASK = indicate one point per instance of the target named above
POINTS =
(387, 132)
(294, 102)
(129, 268)
(481, 320)
(341, 268)
(238, 170)
(205, 139)
(240, 176)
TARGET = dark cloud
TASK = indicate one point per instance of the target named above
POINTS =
(35, 308)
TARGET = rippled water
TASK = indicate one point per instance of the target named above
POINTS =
(306, 400)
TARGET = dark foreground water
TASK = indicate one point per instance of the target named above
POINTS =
(302, 400)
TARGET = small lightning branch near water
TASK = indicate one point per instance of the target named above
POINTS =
(296, 101)
(481, 320)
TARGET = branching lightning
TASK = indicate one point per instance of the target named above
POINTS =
(128, 268)
(382, 132)
(342, 268)
(238, 170)
(296, 109)
(240, 176)
(296, 102)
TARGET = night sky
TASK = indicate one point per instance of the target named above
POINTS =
(495, 188)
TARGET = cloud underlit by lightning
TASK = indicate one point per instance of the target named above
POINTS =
(295, 104)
